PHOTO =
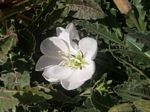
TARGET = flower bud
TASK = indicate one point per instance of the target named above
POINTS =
(124, 6)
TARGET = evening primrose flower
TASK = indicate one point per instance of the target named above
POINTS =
(67, 59)
(124, 6)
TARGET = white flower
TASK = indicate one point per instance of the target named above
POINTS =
(65, 61)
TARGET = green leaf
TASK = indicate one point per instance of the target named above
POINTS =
(133, 90)
(137, 16)
(47, 14)
(17, 63)
(86, 107)
(41, 12)
(141, 14)
(135, 52)
(23, 80)
(6, 44)
(135, 46)
(102, 102)
(7, 101)
(32, 95)
(142, 39)
(88, 10)
(100, 30)
(125, 107)
(142, 105)
(16, 79)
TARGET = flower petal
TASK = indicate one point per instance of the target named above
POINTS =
(52, 80)
(57, 72)
(70, 86)
(64, 35)
(85, 73)
(51, 46)
(72, 31)
(88, 46)
(59, 30)
(79, 76)
(46, 61)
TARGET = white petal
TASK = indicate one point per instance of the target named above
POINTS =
(59, 30)
(64, 35)
(57, 72)
(85, 73)
(52, 80)
(51, 46)
(79, 76)
(46, 61)
(72, 31)
(88, 46)
(70, 86)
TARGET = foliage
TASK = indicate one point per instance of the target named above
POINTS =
(87, 10)
(7, 101)
(122, 79)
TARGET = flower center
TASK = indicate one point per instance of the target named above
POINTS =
(74, 61)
